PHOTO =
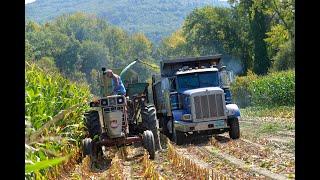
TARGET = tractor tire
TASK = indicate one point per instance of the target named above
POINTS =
(92, 123)
(234, 131)
(150, 121)
(148, 142)
(87, 146)
(178, 137)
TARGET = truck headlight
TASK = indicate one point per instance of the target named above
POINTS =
(186, 117)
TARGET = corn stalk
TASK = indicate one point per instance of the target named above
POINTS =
(187, 165)
(149, 168)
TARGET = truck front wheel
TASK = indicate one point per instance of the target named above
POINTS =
(234, 131)
(178, 137)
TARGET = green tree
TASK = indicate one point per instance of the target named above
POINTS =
(259, 28)
(69, 61)
(94, 55)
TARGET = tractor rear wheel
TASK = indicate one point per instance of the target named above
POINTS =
(92, 123)
(150, 121)
(148, 142)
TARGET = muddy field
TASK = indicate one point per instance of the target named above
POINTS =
(265, 150)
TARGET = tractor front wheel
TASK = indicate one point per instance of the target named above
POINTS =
(151, 122)
(148, 142)
(92, 123)
(87, 146)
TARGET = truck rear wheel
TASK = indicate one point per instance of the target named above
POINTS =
(234, 131)
(92, 123)
(151, 122)
(148, 142)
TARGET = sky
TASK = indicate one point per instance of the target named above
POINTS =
(29, 1)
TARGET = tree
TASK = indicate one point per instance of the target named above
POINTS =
(94, 55)
(69, 61)
(280, 38)
(259, 28)
(28, 52)
(173, 46)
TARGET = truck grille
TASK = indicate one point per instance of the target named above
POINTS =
(208, 106)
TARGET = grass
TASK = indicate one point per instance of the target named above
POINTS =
(270, 128)
(276, 112)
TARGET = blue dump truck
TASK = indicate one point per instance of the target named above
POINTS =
(192, 97)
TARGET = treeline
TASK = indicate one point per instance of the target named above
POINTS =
(259, 33)
(155, 18)
(79, 45)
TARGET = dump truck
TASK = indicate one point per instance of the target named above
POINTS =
(120, 120)
(192, 97)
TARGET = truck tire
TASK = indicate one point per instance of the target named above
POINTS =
(178, 137)
(87, 146)
(148, 142)
(151, 122)
(234, 131)
(164, 126)
(92, 123)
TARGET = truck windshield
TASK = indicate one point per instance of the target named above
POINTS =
(198, 80)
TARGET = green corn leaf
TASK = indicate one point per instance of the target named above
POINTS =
(44, 164)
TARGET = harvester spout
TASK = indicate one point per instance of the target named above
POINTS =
(127, 67)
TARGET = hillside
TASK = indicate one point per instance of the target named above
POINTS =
(155, 18)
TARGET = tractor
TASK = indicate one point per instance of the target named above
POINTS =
(121, 120)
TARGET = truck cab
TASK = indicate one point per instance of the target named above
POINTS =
(193, 97)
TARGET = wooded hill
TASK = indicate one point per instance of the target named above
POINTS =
(155, 18)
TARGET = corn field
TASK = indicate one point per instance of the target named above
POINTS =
(273, 90)
(55, 146)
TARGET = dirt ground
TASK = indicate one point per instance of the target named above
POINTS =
(265, 150)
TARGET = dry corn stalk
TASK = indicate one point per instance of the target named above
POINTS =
(56, 171)
(115, 170)
(187, 165)
(149, 168)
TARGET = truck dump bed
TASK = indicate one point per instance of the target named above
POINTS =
(169, 67)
